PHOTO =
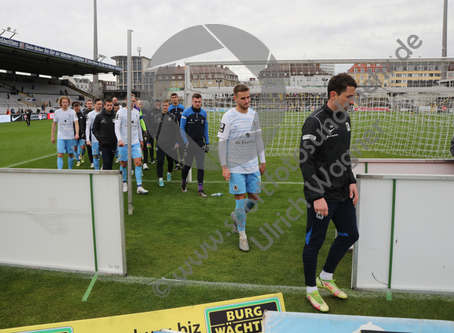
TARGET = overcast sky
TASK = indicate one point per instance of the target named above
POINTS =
(290, 29)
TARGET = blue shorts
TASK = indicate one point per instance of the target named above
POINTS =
(79, 142)
(95, 148)
(65, 146)
(135, 152)
(241, 183)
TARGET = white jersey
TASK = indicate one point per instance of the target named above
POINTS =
(88, 133)
(239, 129)
(65, 121)
(121, 126)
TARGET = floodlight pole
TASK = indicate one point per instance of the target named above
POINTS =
(128, 106)
(444, 41)
(95, 48)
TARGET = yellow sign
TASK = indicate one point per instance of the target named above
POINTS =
(242, 315)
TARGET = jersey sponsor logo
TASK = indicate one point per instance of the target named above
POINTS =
(221, 128)
(309, 137)
(348, 126)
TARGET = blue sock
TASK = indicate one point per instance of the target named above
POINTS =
(60, 162)
(83, 152)
(96, 162)
(250, 204)
(138, 174)
(240, 214)
(77, 156)
(123, 171)
(70, 162)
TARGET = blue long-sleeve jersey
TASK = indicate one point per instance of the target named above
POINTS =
(177, 111)
(195, 124)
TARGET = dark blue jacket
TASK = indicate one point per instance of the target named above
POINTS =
(194, 124)
(177, 111)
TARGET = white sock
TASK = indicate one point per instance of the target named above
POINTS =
(311, 289)
(326, 276)
(243, 234)
(160, 179)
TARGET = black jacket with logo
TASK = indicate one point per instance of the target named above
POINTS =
(104, 129)
(82, 124)
(325, 156)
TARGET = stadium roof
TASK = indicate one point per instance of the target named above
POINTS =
(23, 57)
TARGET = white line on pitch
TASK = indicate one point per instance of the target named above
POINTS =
(35, 159)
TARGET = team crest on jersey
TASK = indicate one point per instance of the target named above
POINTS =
(202, 121)
(169, 119)
(247, 135)
(235, 188)
(348, 126)
(221, 128)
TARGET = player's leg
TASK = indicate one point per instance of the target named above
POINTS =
(61, 150)
(200, 159)
(185, 171)
(145, 156)
(82, 150)
(95, 153)
(76, 152)
(70, 151)
(107, 157)
(237, 186)
(160, 155)
(344, 219)
(315, 237)
(150, 145)
(136, 153)
(90, 155)
(123, 153)
(169, 167)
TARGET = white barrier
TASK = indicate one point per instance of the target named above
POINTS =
(62, 219)
(404, 166)
(406, 233)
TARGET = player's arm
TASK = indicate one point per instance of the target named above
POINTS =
(259, 146)
(205, 130)
(52, 132)
(309, 147)
(183, 127)
(118, 129)
(76, 124)
(223, 135)
(87, 130)
(139, 132)
(96, 128)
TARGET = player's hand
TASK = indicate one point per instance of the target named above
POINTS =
(52, 140)
(225, 173)
(176, 146)
(321, 207)
(76, 136)
(141, 144)
(354, 193)
(120, 143)
(206, 148)
(187, 146)
(262, 168)
(88, 143)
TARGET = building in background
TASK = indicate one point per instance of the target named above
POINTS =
(295, 74)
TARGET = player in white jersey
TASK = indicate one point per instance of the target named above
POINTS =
(240, 141)
(136, 146)
(65, 117)
(90, 138)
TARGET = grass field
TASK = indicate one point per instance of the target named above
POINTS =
(168, 226)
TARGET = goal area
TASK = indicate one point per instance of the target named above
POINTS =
(410, 101)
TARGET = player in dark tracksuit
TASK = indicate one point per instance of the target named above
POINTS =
(167, 133)
(104, 130)
(89, 108)
(177, 110)
(194, 131)
(79, 146)
(329, 186)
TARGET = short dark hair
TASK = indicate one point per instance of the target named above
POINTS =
(116, 104)
(165, 101)
(240, 88)
(173, 94)
(107, 100)
(196, 95)
(75, 104)
(340, 82)
(98, 99)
